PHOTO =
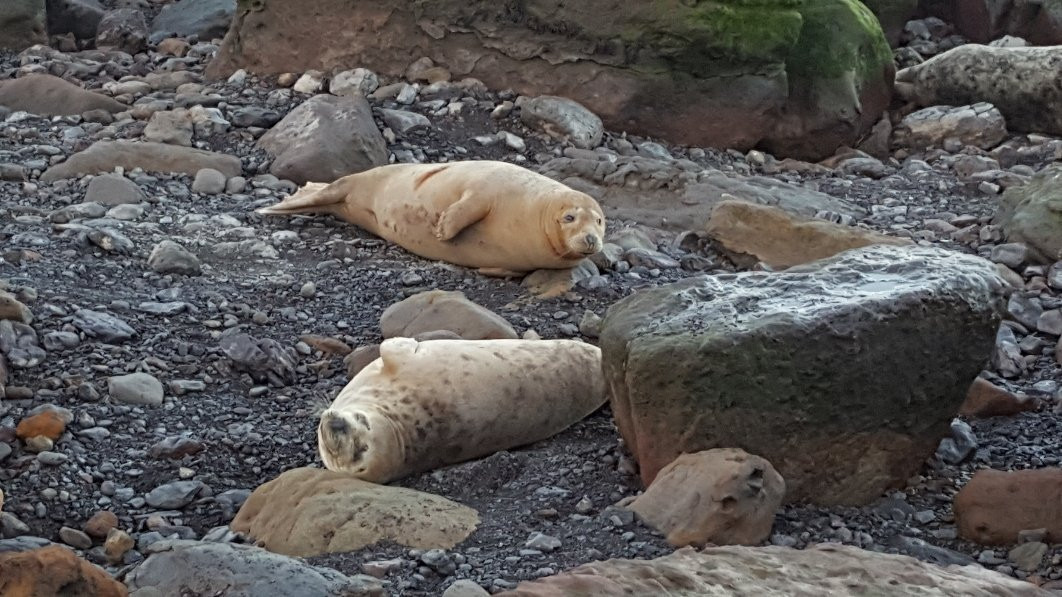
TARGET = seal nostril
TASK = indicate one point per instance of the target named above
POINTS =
(338, 425)
(591, 240)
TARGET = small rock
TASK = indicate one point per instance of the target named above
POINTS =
(113, 189)
(117, 544)
(75, 538)
(101, 524)
(563, 119)
(103, 326)
(1028, 556)
(209, 181)
(169, 257)
(985, 399)
(465, 588)
(136, 388)
(172, 496)
(542, 542)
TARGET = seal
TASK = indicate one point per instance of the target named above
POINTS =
(498, 217)
(424, 405)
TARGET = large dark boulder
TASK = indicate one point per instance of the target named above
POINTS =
(22, 24)
(843, 373)
(800, 77)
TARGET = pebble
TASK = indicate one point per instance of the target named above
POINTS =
(75, 538)
(542, 542)
(209, 181)
(136, 388)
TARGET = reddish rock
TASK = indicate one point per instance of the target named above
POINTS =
(986, 399)
(48, 423)
(724, 496)
(994, 506)
(54, 571)
(100, 524)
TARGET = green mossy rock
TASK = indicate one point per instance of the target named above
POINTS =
(799, 76)
(1032, 214)
(843, 373)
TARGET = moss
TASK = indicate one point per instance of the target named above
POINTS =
(839, 36)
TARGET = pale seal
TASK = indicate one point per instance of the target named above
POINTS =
(498, 217)
(424, 405)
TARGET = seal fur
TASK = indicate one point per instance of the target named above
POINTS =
(498, 217)
(423, 405)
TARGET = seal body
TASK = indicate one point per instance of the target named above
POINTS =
(485, 214)
(423, 405)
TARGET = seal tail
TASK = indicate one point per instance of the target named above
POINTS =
(313, 197)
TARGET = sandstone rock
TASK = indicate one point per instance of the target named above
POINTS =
(995, 506)
(53, 571)
(123, 29)
(985, 399)
(13, 309)
(80, 17)
(170, 126)
(734, 571)
(360, 81)
(665, 196)
(465, 588)
(207, 19)
(136, 388)
(980, 125)
(562, 119)
(101, 524)
(209, 568)
(116, 545)
(306, 512)
(48, 424)
(1032, 214)
(722, 497)
(1017, 81)
(22, 24)
(770, 235)
(798, 77)
(169, 257)
(436, 310)
(104, 156)
(325, 138)
(174, 46)
(113, 189)
(46, 95)
(686, 364)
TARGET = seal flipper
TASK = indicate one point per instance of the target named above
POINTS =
(497, 272)
(461, 214)
(394, 352)
(313, 197)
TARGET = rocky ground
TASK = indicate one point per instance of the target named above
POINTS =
(84, 271)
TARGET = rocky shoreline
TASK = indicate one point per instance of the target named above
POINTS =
(147, 285)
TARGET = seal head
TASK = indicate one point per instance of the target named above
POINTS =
(349, 442)
(577, 227)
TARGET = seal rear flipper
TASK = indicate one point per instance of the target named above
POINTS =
(312, 197)
(394, 352)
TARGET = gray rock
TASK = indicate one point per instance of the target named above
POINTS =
(691, 357)
(11, 526)
(1012, 255)
(325, 138)
(465, 588)
(75, 538)
(403, 121)
(136, 388)
(237, 570)
(18, 342)
(264, 360)
(1050, 322)
(170, 126)
(61, 340)
(1007, 358)
(103, 156)
(209, 181)
(103, 326)
(110, 240)
(169, 257)
(562, 118)
(80, 17)
(1025, 308)
(164, 309)
(113, 189)
(926, 552)
(1032, 214)
(22, 24)
(360, 81)
(980, 125)
(960, 446)
(173, 496)
(255, 116)
(24, 543)
(123, 29)
(541, 542)
(208, 19)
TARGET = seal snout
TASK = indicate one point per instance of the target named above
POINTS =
(338, 425)
(593, 244)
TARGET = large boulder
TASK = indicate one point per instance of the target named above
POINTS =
(780, 240)
(994, 507)
(802, 77)
(306, 512)
(53, 571)
(1019, 82)
(893, 15)
(843, 373)
(826, 569)
(80, 17)
(435, 310)
(22, 24)
(325, 138)
(981, 21)
(46, 95)
(208, 19)
(205, 568)
(1032, 214)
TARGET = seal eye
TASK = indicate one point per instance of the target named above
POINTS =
(569, 218)
(599, 220)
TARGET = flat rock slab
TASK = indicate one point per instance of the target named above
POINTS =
(843, 373)
(104, 156)
(825, 569)
(45, 95)
(306, 512)
(207, 568)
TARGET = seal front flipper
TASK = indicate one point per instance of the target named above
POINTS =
(394, 352)
(498, 272)
(313, 197)
(461, 214)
